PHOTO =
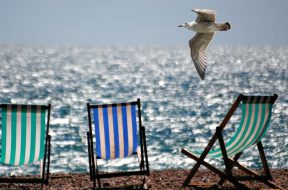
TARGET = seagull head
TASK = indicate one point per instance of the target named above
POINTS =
(183, 25)
(188, 25)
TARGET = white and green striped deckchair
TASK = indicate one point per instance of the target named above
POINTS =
(255, 119)
(117, 135)
(25, 139)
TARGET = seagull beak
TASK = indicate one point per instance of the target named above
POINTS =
(181, 25)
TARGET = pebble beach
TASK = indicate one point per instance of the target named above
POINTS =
(164, 179)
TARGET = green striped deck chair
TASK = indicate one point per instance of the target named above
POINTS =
(118, 133)
(255, 120)
(25, 139)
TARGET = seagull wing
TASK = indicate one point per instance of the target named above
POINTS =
(205, 15)
(198, 45)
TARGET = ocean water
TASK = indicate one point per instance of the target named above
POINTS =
(178, 109)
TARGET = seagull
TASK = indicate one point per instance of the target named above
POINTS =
(205, 27)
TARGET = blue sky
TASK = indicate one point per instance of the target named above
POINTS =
(138, 22)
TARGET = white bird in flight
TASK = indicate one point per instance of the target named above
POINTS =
(205, 27)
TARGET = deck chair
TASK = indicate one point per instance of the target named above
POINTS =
(116, 136)
(25, 139)
(256, 115)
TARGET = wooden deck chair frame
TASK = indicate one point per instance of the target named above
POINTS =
(44, 179)
(95, 174)
(228, 162)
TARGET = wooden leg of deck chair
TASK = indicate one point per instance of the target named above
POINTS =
(96, 172)
(145, 151)
(199, 160)
(224, 152)
(227, 162)
(252, 173)
(265, 166)
(89, 156)
(213, 169)
(246, 170)
(237, 156)
(48, 164)
(264, 161)
(193, 170)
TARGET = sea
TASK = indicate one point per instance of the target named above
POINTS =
(178, 108)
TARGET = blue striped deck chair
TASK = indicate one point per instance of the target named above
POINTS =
(255, 120)
(25, 140)
(118, 133)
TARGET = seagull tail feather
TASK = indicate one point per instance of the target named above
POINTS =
(224, 26)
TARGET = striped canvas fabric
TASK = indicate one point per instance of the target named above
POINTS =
(256, 114)
(23, 134)
(115, 130)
